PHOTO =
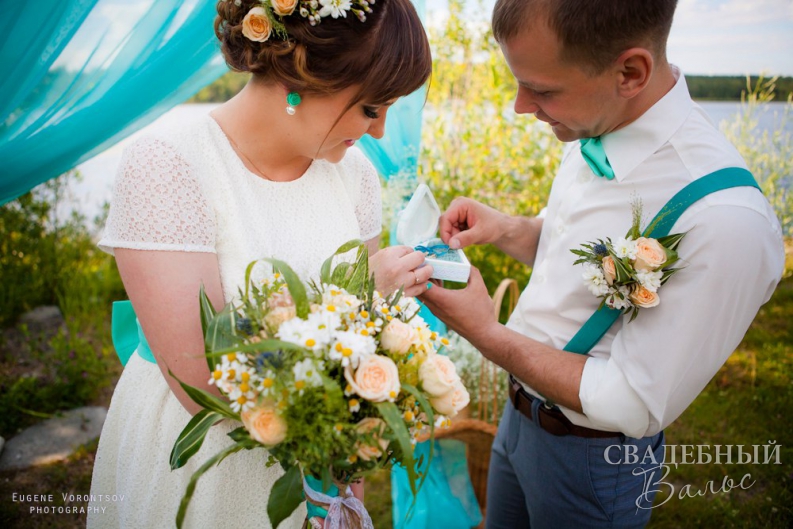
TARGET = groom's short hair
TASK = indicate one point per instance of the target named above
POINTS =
(593, 33)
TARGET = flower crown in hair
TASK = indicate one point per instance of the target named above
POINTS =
(266, 17)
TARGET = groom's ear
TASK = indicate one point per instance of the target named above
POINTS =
(633, 67)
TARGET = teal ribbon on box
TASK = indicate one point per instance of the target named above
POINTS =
(128, 337)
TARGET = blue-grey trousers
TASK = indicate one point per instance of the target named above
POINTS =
(541, 481)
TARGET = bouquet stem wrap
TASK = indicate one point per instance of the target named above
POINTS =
(345, 511)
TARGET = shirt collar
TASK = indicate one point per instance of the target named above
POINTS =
(629, 146)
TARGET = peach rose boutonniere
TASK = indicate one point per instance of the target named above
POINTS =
(626, 273)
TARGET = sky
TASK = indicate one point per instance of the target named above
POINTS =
(711, 37)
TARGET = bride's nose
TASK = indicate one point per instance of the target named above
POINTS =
(377, 126)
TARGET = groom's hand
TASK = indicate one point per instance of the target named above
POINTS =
(469, 311)
(468, 222)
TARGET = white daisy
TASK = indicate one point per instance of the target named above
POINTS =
(625, 248)
(350, 346)
(650, 280)
(616, 302)
(307, 374)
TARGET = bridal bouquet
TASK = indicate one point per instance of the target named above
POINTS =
(332, 378)
(627, 273)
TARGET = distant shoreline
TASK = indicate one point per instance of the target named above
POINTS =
(702, 87)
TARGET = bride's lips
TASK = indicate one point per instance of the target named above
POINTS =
(349, 143)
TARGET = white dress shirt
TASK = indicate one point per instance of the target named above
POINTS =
(642, 375)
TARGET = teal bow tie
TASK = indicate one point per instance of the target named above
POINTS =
(595, 157)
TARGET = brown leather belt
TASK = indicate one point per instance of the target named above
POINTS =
(552, 420)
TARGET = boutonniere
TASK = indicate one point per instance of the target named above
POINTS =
(627, 273)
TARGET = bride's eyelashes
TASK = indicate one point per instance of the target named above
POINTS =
(371, 112)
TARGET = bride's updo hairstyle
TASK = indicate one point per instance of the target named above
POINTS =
(387, 53)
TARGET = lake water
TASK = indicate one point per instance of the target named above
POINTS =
(98, 173)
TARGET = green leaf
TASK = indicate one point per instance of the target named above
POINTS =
(188, 494)
(285, 496)
(325, 271)
(390, 414)
(622, 273)
(427, 409)
(207, 315)
(192, 437)
(360, 273)
(221, 332)
(206, 400)
(671, 241)
(339, 276)
(248, 270)
(296, 287)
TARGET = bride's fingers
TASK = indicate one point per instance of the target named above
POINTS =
(420, 277)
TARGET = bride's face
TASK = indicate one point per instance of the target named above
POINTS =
(329, 138)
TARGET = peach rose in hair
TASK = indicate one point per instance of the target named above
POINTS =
(256, 25)
(283, 7)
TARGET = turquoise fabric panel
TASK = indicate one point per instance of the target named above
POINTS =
(445, 500)
(77, 76)
(128, 337)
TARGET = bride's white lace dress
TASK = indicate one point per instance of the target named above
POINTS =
(188, 191)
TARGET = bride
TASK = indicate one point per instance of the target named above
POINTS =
(271, 173)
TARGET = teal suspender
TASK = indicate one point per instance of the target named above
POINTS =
(601, 321)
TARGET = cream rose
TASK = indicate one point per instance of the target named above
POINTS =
(376, 379)
(283, 7)
(453, 401)
(256, 25)
(265, 425)
(438, 375)
(609, 270)
(397, 337)
(641, 297)
(279, 315)
(375, 427)
(649, 254)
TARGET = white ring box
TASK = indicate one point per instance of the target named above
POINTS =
(418, 226)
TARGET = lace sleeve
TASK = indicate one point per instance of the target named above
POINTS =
(158, 203)
(368, 198)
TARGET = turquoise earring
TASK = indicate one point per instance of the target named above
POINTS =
(292, 100)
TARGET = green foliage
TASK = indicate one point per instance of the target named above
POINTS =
(730, 88)
(48, 260)
(474, 145)
(74, 371)
(767, 153)
(226, 87)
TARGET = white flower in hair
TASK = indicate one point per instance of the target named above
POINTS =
(335, 8)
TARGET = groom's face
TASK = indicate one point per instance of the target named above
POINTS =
(574, 103)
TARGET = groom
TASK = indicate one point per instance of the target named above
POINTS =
(598, 69)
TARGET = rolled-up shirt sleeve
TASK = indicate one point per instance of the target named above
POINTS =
(731, 260)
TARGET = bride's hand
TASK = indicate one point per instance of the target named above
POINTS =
(398, 266)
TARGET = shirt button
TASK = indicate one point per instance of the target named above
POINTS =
(560, 228)
(540, 279)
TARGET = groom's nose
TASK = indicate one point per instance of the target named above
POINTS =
(525, 103)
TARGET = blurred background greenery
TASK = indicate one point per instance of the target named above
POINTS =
(473, 145)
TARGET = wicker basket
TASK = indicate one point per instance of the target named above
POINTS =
(478, 433)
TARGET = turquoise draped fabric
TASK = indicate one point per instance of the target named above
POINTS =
(77, 76)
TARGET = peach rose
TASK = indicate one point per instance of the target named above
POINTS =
(376, 379)
(279, 315)
(453, 401)
(609, 270)
(397, 337)
(283, 7)
(438, 375)
(643, 298)
(256, 25)
(649, 254)
(265, 425)
(376, 427)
